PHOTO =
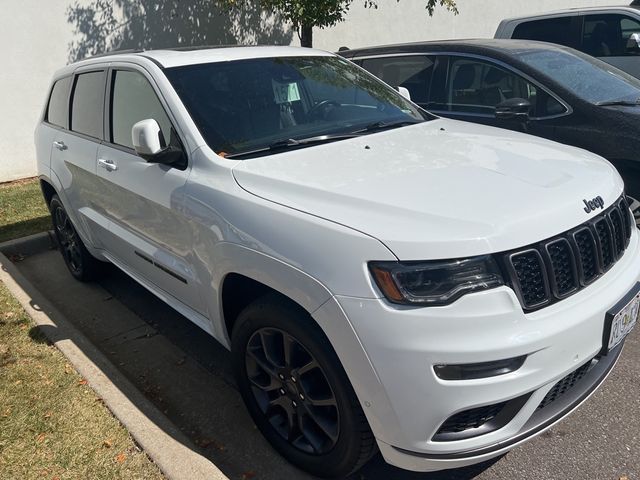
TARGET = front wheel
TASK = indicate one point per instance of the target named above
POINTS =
(82, 265)
(296, 390)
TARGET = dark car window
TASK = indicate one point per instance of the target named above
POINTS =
(412, 72)
(133, 100)
(607, 35)
(553, 30)
(586, 77)
(477, 87)
(87, 104)
(58, 108)
(245, 105)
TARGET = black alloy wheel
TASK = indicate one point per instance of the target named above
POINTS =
(296, 390)
(292, 391)
(82, 265)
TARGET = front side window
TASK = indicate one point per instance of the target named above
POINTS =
(553, 30)
(58, 107)
(245, 105)
(477, 87)
(411, 72)
(586, 77)
(133, 100)
(607, 35)
(87, 104)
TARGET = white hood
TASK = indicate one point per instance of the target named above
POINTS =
(440, 189)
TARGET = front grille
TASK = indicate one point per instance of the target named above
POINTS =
(474, 418)
(549, 271)
(564, 385)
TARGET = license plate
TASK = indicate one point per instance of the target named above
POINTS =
(621, 319)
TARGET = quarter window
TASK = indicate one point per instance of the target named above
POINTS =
(412, 72)
(607, 35)
(477, 87)
(554, 30)
(88, 100)
(134, 100)
(58, 108)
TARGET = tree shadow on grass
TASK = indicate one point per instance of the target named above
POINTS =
(105, 25)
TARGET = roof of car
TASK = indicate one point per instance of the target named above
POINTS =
(573, 10)
(174, 57)
(485, 44)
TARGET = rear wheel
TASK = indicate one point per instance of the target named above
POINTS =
(82, 265)
(296, 390)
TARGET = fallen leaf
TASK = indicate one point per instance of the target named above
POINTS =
(623, 477)
(107, 444)
(208, 442)
(40, 438)
(48, 414)
(82, 382)
(248, 475)
(181, 361)
(121, 457)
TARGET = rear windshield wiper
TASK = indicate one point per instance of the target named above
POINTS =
(628, 103)
(292, 143)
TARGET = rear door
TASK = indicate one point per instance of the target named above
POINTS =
(148, 234)
(75, 146)
(606, 35)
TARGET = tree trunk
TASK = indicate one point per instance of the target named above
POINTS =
(306, 35)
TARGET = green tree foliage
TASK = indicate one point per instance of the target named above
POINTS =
(306, 14)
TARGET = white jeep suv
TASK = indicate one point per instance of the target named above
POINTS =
(385, 279)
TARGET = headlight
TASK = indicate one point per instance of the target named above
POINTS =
(435, 282)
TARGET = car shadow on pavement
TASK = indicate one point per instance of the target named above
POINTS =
(179, 368)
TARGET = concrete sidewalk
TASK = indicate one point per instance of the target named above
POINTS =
(179, 378)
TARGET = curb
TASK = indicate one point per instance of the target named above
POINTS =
(175, 455)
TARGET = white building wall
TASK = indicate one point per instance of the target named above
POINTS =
(38, 36)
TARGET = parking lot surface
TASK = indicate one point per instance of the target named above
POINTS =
(187, 375)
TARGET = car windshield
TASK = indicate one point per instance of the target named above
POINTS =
(247, 105)
(588, 78)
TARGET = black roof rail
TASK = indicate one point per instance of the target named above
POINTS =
(116, 52)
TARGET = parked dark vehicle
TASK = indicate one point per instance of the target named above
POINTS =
(543, 89)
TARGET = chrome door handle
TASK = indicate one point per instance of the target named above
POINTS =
(60, 145)
(108, 165)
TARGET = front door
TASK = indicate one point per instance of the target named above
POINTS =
(148, 233)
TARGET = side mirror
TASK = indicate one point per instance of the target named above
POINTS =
(150, 144)
(404, 92)
(513, 109)
(633, 44)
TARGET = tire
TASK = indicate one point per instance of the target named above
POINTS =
(82, 265)
(314, 421)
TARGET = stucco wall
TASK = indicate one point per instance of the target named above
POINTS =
(39, 36)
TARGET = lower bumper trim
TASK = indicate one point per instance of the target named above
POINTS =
(544, 417)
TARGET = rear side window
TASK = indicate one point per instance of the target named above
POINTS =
(553, 30)
(87, 104)
(134, 100)
(607, 35)
(412, 72)
(58, 108)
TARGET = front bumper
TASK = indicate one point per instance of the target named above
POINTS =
(409, 402)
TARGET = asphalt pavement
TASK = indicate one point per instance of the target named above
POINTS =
(187, 375)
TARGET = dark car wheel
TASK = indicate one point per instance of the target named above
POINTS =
(296, 390)
(79, 261)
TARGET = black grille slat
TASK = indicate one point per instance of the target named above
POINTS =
(587, 254)
(474, 418)
(531, 276)
(564, 385)
(544, 273)
(603, 232)
(619, 240)
(563, 267)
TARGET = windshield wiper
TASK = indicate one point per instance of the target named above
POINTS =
(378, 126)
(628, 103)
(295, 143)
